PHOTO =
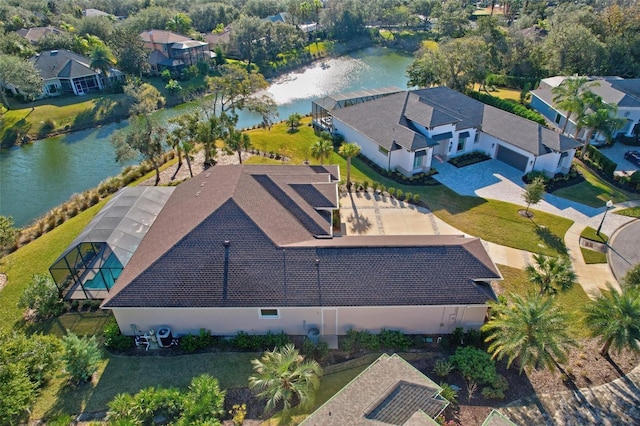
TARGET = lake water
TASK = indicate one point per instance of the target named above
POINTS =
(37, 177)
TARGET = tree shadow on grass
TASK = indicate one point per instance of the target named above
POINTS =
(550, 239)
(14, 134)
(70, 399)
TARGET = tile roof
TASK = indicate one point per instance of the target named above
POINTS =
(389, 391)
(62, 63)
(250, 236)
(34, 35)
(162, 37)
(394, 118)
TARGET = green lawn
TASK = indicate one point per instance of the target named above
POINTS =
(72, 111)
(130, 374)
(631, 212)
(594, 191)
(591, 256)
(572, 300)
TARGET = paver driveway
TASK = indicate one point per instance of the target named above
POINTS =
(493, 179)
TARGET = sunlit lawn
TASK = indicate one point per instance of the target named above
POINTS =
(631, 212)
(572, 300)
(505, 93)
(130, 374)
(594, 191)
(73, 111)
(591, 256)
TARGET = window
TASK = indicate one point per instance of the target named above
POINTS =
(558, 118)
(383, 150)
(269, 313)
(418, 159)
(461, 143)
(476, 139)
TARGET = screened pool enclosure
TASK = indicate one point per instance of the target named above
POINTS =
(92, 263)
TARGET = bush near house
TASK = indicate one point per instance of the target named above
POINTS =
(598, 161)
(469, 159)
(510, 81)
(573, 177)
(511, 107)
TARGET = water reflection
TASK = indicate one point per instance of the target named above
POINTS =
(37, 177)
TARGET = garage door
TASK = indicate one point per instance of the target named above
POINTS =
(512, 158)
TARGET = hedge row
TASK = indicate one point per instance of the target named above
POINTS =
(511, 107)
(511, 82)
(596, 160)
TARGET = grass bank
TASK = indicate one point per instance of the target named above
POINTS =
(594, 191)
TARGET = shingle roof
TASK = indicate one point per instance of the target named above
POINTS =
(389, 391)
(391, 119)
(243, 236)
(62, 63)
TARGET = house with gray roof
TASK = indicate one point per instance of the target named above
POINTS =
(390, 391)
(174, 51)
(405, 131)
(623, 93)
(64, 71)
(252, 248)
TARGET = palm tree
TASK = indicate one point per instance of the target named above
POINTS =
(551, 274)
(103, 60)
(349, 150)
(569, 96)
(614, 317)
(282, 376)
(601, 120)
(321, 149)
(531, 329)
(237, 141)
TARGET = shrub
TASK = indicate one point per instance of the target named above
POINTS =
(408, 196)
(392, 191)
(443, 367)
(192, 343)
(81, 356)
(511, 107)
(374, 185)
(42, 296)
(114, 339)
(416, 198)
(599, 161)
(394, 339)
(399, 194)
(449, 393)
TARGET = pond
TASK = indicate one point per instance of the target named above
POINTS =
(37, 177)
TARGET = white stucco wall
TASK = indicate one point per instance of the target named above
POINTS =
(368, 147)
(296, 321)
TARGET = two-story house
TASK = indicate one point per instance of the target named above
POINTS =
(173, 51)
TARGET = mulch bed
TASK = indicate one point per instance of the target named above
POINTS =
(586, 368)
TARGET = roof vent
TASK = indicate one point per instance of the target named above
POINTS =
(54, 52)
(226, 243)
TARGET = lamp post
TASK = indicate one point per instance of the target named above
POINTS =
(609, 205)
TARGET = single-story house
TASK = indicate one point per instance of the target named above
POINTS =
(407, 130)
(174, 51)
(390, 391)
(63, 71)
(623, 93)
(252, 248)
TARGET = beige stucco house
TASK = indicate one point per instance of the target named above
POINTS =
(252, 248)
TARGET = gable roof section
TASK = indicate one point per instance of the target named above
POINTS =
(62, 64)
(389, 391)
(243, 236)
(394, 118)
